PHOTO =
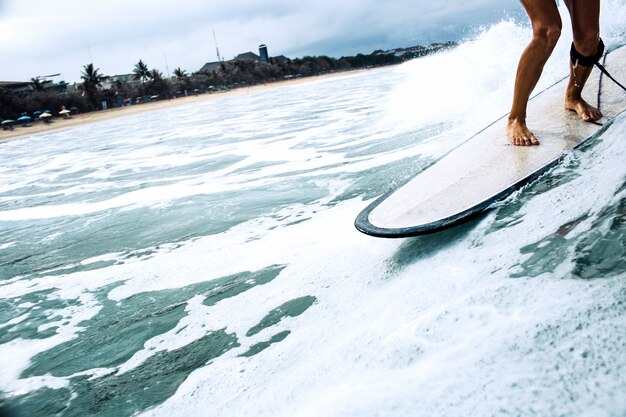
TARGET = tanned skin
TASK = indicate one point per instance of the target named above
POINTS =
(546, 24)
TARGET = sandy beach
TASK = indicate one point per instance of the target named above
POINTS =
(59, 123)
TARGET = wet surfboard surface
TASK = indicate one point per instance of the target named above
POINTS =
(486, 169)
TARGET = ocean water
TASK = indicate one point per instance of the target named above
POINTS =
(202, 260)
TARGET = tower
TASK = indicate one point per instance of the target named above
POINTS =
(263, 53)
(219, 58)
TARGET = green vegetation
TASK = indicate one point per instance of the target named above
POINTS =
(36, 84)
(141, 71)
(92, 81)
(180, 73)
(146, 85)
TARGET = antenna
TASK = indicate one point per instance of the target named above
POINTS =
(166, 67)
(219, 58)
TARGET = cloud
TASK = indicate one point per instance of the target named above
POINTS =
(38, 37)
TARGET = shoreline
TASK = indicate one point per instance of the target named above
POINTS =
(59, 124)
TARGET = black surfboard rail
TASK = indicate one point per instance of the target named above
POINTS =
(363, 224)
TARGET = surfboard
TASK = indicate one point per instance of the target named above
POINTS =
(486, 169)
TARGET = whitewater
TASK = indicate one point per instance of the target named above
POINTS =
(202, 259)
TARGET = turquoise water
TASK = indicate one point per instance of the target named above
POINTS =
(202, 260)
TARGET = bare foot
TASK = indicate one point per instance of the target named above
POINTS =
(518, 133)
(585, 111)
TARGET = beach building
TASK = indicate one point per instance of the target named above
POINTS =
(59, 87)
(210, 66)
(278, 59)
(120, 78)
(213, 66)
(251, 56)
(27, 86)
(16, 86)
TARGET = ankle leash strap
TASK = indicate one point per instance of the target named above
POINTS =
(589, 61)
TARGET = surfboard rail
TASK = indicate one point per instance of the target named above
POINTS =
(363, 224)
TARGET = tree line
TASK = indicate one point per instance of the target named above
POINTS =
(151, 83)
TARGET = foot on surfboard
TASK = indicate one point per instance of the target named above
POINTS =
(519, 135)
(585, 111)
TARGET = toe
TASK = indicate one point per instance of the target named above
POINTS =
(585, 116)
(597, 115)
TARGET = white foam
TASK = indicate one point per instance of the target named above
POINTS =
(449, 333)
(426, 326)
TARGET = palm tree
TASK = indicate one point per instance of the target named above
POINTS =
(36, 84)
(141, 71)
(180, 73)
(92, 80)
(155, 75)
(158, 85)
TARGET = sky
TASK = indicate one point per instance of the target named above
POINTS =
(39, 38)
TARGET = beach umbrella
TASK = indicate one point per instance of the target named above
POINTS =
(24, 119)
(64, 111)
(37, 113)
(45, 117)
(7, 124)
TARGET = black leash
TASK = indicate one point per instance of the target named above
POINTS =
(605, 72)
(600, 82)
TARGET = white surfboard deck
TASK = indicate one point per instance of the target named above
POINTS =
(486, 169)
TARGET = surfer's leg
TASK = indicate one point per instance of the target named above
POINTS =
(546, 23)
(585, 17)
